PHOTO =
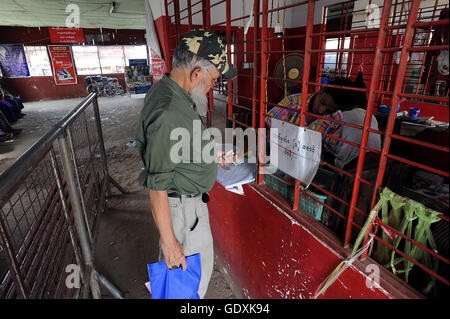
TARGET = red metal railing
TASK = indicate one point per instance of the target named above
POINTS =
(371, 47)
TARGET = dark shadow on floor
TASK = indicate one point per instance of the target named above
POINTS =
(127, 241)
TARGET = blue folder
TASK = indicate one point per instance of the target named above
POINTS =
(175, 284)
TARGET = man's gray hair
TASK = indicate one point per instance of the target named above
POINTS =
(187, 59)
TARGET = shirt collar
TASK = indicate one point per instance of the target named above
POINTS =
(177, 89)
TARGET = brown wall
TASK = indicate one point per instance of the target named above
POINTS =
(37, 88)
(43, 87)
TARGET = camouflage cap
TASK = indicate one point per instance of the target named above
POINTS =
(209, 46)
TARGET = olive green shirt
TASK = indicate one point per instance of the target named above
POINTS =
(167, 107)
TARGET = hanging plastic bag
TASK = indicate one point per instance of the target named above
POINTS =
(175, 283)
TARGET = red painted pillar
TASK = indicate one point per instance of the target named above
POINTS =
(229, 81)
(255, 60)
(305, 80)
(407, 40)
(374, 82)
(262, 96)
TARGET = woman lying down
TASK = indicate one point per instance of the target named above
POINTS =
(338, 104)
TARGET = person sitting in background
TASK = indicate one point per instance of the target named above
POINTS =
(6, 127)
(11, 106)
(4, 136)
(338, 105)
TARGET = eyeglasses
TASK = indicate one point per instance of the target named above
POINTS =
(214, 81)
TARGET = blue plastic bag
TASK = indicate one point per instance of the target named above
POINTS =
(175, 284)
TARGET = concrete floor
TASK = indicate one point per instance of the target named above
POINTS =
(127, 238)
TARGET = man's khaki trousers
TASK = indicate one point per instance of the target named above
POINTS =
(190, 222)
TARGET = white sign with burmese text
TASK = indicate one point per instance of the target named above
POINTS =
(295, 150)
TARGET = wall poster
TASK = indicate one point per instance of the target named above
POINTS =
(62, 64)
(13, 61)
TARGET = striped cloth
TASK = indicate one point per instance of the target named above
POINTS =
(331, 128)
(323, 126)
(293, 101)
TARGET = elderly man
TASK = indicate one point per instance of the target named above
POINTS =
(178, 189)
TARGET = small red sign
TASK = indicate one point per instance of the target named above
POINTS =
(66, 35)
(158, 67)
(62, 62)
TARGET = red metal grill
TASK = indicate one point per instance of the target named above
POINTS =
(395, 44)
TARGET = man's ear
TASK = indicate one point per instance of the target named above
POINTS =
(196, 75)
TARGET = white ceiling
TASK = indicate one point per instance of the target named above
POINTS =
(129, 14)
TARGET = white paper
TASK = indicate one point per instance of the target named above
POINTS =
(233, 176)
(295, 150)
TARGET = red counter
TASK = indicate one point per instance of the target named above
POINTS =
(270, 251)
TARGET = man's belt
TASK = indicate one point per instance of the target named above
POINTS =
(176, 195)
(205, 196)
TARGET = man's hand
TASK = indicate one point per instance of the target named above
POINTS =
(173, 254)
(224, 158)
(172, 250)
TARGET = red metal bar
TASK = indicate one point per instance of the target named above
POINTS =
(393, 42)
(368, 117)
(323, 190)
(255, 60)
(422, 68)
(229, 81)
(207, 13)
(428, 75)
(263, 83)
(418, 165)
(167, 45)
(323, 204)
(340, 171)
(334, 168)
(341, 33)
(207, 25)
(407, 38)
(320, 57)
(338, 87)
(424, 248)
(189, 9)
(341, 40)
(424, 97)
(430, 272)
(214, 4)
(234, 104)
(288, 37)
(419, 48)
(232, 20)
(300, 3)
(306, 72)
(416, 96)
(362, 50)
(238, 122)
(176, 4)
(419, 24)
(421, 143)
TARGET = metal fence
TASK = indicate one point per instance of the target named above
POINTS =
(51, 199)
